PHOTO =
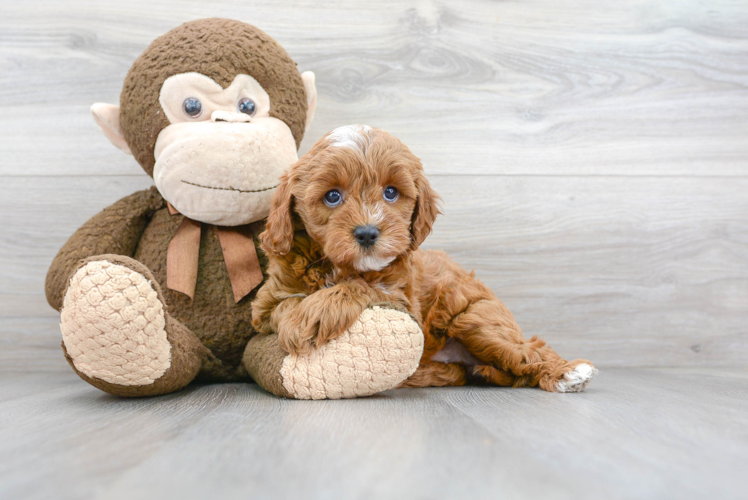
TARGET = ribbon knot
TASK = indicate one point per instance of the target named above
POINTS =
(239, 254)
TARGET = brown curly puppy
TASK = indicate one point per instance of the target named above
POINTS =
(343, 234)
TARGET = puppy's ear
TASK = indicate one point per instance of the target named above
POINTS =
(277, 238)
(425, 211)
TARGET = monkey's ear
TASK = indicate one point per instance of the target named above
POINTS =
(106, 117)
(311, 96)
(277, 238)
(425, 211)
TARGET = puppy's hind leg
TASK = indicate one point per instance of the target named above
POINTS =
(468, 311)
(488, 330)
(436, 374)
(493, 375)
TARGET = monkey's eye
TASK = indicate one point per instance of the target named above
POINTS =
(390, 193)
(247, 106)
(192, 107)
(333, 198)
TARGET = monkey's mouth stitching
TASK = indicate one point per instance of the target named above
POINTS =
(232, 188)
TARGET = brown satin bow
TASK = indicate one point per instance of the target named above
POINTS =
(239, 253)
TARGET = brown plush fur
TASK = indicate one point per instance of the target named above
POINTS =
(138, 229)
(320, 279)
(193, 47)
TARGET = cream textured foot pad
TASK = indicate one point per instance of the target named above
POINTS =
(577, 379)
(379, 351)
(112, 324)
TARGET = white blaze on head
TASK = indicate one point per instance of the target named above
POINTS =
(374, 214)
(355, 137)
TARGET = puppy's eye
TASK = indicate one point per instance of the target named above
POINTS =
(192, 107)
(333, 198)
(390, 193)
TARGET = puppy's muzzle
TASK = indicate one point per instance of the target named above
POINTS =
(366, 235)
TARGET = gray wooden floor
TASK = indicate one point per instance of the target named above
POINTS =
(637, 433)
(593, 159)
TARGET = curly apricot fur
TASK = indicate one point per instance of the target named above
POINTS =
(319, 282)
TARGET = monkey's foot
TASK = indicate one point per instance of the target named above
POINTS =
(576, 379)
(380, 350)
(114, 325)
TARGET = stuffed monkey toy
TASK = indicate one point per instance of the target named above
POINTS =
(155, 290)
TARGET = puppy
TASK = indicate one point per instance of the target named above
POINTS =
(343, 233)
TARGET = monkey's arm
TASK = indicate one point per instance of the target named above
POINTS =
(115, 230)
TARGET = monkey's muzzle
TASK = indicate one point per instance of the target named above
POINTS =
(223, 173)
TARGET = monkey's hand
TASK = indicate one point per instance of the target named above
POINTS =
(324, 315)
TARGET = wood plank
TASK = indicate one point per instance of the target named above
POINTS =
(480, 88)
(645, 434)
(45, 211)
(623, 271)
(32, 344)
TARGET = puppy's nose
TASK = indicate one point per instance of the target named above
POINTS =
(366, 235)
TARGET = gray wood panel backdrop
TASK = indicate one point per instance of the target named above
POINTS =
(592, 156)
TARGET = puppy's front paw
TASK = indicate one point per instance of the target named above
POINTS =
(297, 331)
(323, 316)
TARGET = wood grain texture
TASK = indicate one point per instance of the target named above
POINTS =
(640, 88)
(592, 157)
(645, 434)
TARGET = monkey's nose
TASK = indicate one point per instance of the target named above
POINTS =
(366, 235)
(228, 116)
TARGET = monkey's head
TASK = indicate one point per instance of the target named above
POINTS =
(214, 111)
